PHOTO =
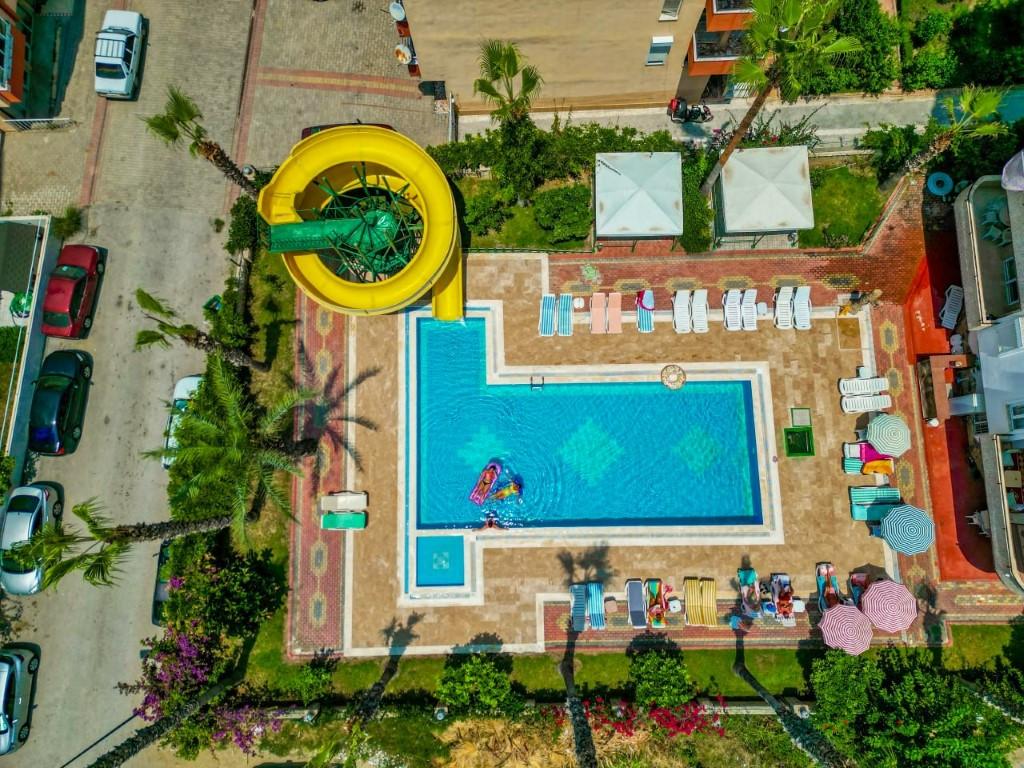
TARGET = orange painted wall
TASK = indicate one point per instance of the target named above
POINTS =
(14, 93)
(695, 68)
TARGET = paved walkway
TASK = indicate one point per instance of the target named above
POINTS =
(839, 120)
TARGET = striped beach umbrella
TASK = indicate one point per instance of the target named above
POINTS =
(908, 529)
(846, 628)
(889, 434)
(889, 605)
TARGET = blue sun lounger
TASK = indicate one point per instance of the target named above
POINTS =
(872, 513)
(578, 606)
(546, 327)
(565, 314)
(874, 494)
(595, 604)
(852, 466)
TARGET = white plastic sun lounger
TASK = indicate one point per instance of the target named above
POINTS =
(865, 403)
(952, 307)
(614, 312)
(731, 306)
(699, 310)
(598, 313)
(565, 314)
(748, 309)
(645, 312)
(863, 386)
(546, 326)
(681, 312)
(343, 501)
(784, 308)
(802, 308)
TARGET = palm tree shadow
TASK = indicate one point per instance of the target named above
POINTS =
(398, 637)
(933, 619)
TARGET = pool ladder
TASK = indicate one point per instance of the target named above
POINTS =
(536, 383)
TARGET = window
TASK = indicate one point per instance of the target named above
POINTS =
(670, 10)
(1016, 413)
(6, 53)
(658, 52)
(1010, 281)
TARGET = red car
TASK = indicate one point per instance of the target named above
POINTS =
(71, 291)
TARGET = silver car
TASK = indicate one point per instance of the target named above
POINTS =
(184, 391)
(28, 509)
(18, 667)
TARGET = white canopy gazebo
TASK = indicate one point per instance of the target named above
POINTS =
(638, 194)
(765, 189)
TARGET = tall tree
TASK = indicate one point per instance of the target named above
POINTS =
(787, 42)
(99, 552)
(974, 115)
(161, 315)
(180, 119)
(500, 64)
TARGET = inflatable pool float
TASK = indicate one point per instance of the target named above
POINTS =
(488, 477)
(673, 376)
(513, 488)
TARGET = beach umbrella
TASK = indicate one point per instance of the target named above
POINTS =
(889, 605)
(846, 628)
(908, 529)
(889, 434)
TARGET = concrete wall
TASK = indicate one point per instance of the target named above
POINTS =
(16, 441)
(591, 53)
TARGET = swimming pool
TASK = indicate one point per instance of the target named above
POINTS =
(590, 453)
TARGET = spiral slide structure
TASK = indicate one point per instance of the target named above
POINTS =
(366, 223)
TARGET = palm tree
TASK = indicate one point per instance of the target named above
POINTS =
(99, 553)
(180, 118)
(159, 313)
(975, 116)
(232, 444)
(787, 41)
(500, 64)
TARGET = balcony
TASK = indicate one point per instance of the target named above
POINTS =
(725, 15)
(985, 219)
(713, 53)
(1002, 465)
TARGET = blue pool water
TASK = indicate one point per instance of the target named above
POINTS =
(439, 561)
(594, 454)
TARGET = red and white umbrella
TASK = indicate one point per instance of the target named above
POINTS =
(846, 628)
(889, 605)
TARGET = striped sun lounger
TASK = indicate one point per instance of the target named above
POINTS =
(691, 600)
(871, 513)
(595, 604)
(565, 314)
(874, 494)
(852, 466)
(709, 602)
(546, 326)
(578, 606)
(644, 311)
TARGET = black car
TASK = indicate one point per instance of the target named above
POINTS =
(58, 404)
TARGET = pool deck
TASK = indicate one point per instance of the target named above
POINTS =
(352, 581)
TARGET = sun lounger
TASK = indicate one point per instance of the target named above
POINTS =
(615, 312)
(865, 403)
(859, 386)
(873, 494)
(681, 312)
(546, 327)
(708, 602)
(784, 308)
(872, 513)
(732, 313)
(748, 309)
(750, 601)
(598, 313)
(699, 310)
(595, 604)
(851, 450)
(802, 308)
(343, 521)
(782, 598)
(578, 606)
(343, 501)
(645, 311)
(952, 307)
(851, 465)
(657, 605)
(565, 314)
(636, 605)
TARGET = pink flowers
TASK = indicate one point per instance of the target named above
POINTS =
(624, 719)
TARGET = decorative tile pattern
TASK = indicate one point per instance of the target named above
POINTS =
(591, 452)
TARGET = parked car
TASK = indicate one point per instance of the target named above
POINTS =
(310, 130)
(18, 666)
(58, 403)
(71, 291)
(161, 588)
(28, 509)
(118, 52)
(184, 391)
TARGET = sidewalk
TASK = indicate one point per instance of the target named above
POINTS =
(840, 118)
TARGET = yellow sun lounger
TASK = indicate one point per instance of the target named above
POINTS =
(701, 602)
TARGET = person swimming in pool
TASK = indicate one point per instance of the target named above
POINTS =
(491, 523)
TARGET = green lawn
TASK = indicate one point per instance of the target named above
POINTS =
(519, 231)
(846, 202)
(912, 10)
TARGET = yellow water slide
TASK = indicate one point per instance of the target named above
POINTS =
(337, 160)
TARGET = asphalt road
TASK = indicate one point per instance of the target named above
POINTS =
(153, 208)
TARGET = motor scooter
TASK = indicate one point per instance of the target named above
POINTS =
(681, 112)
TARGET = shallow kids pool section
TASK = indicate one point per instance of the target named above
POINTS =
(440, 561)
(587, 454)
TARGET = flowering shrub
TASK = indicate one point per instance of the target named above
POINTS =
(243, 726)
(622, 718)
(687, 720)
